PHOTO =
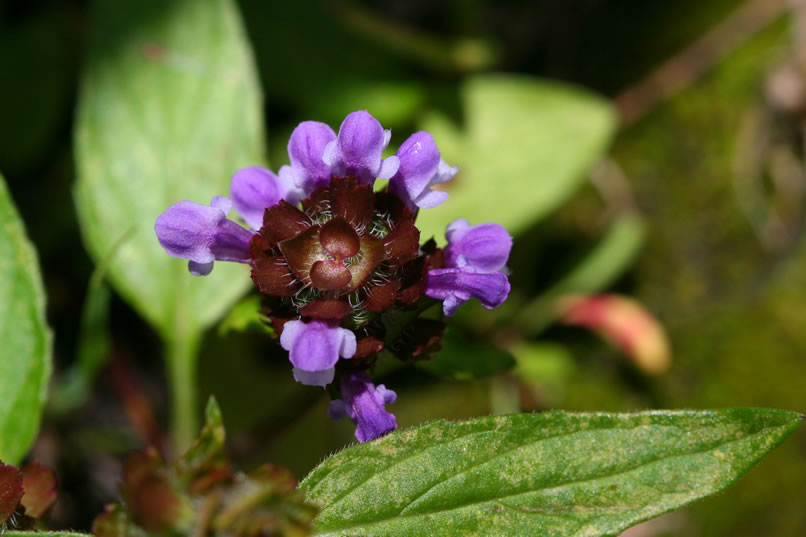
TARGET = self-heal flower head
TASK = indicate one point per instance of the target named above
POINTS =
(202, 234)
(472, 260)
(336, 261)
(421, 167)
(365, 405)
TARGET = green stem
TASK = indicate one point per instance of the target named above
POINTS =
(182, 358)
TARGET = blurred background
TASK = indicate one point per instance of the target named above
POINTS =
(693, 208)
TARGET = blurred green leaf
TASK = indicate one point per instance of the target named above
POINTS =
(243, 316)
(539, 474)
(527, 146)
(25, 353)
(12, 533)
(462, 359)
(208, 448)
(598, 269)
(93, 349)
(394, 102)
(546, 368)
(169, 109)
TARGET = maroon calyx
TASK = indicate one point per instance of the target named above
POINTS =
(339, 239)
(348, 255)
(11, 490)
(327, 309)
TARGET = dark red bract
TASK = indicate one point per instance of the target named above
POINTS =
(347, 255)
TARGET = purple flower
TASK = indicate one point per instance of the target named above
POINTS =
(455, 286)
(255, 189)
(420, 168)
(364, 404)
(473, 260)
(202, 234)
(484, 247)
(327, 251)
(305, 149)
(356, 152)
(314, 348)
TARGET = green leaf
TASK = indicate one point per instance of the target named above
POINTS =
(527, 146)
(13, 533)
(547, 368)
(462, 359)
(555, 473)
(210, 443)
(25, 353)
(608, 260)
(245, 315)
(93, 349)
(169, 109)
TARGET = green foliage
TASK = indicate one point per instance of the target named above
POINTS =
(462, 359)
(525, 149)
(169, 110)
(608, 260)
(208, 447)
(25, 353)
(201, 493)
(245, 315)
(12, 533)
(555, 473)
(93, 349)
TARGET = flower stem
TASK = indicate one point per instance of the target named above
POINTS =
(182, 354)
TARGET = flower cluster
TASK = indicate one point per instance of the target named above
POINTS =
(336, 260)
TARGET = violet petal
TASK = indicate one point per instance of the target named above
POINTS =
(357, 150)
(315, 347)
(365, 404)
(420, 168)
(200, 269)
(305, 149)
(484, 247)
(455, 286)
(314, 378)
(202, 234)
(255, 189)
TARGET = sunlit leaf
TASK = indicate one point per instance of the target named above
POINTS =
(25, 353)
(169, 109)
(555, 473)
(526, 148)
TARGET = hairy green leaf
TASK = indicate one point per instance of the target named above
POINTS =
(527, 146)
(555, 473)
(169, 109)
(25, 353)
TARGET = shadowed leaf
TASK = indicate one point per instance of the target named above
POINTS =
(462, 359)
